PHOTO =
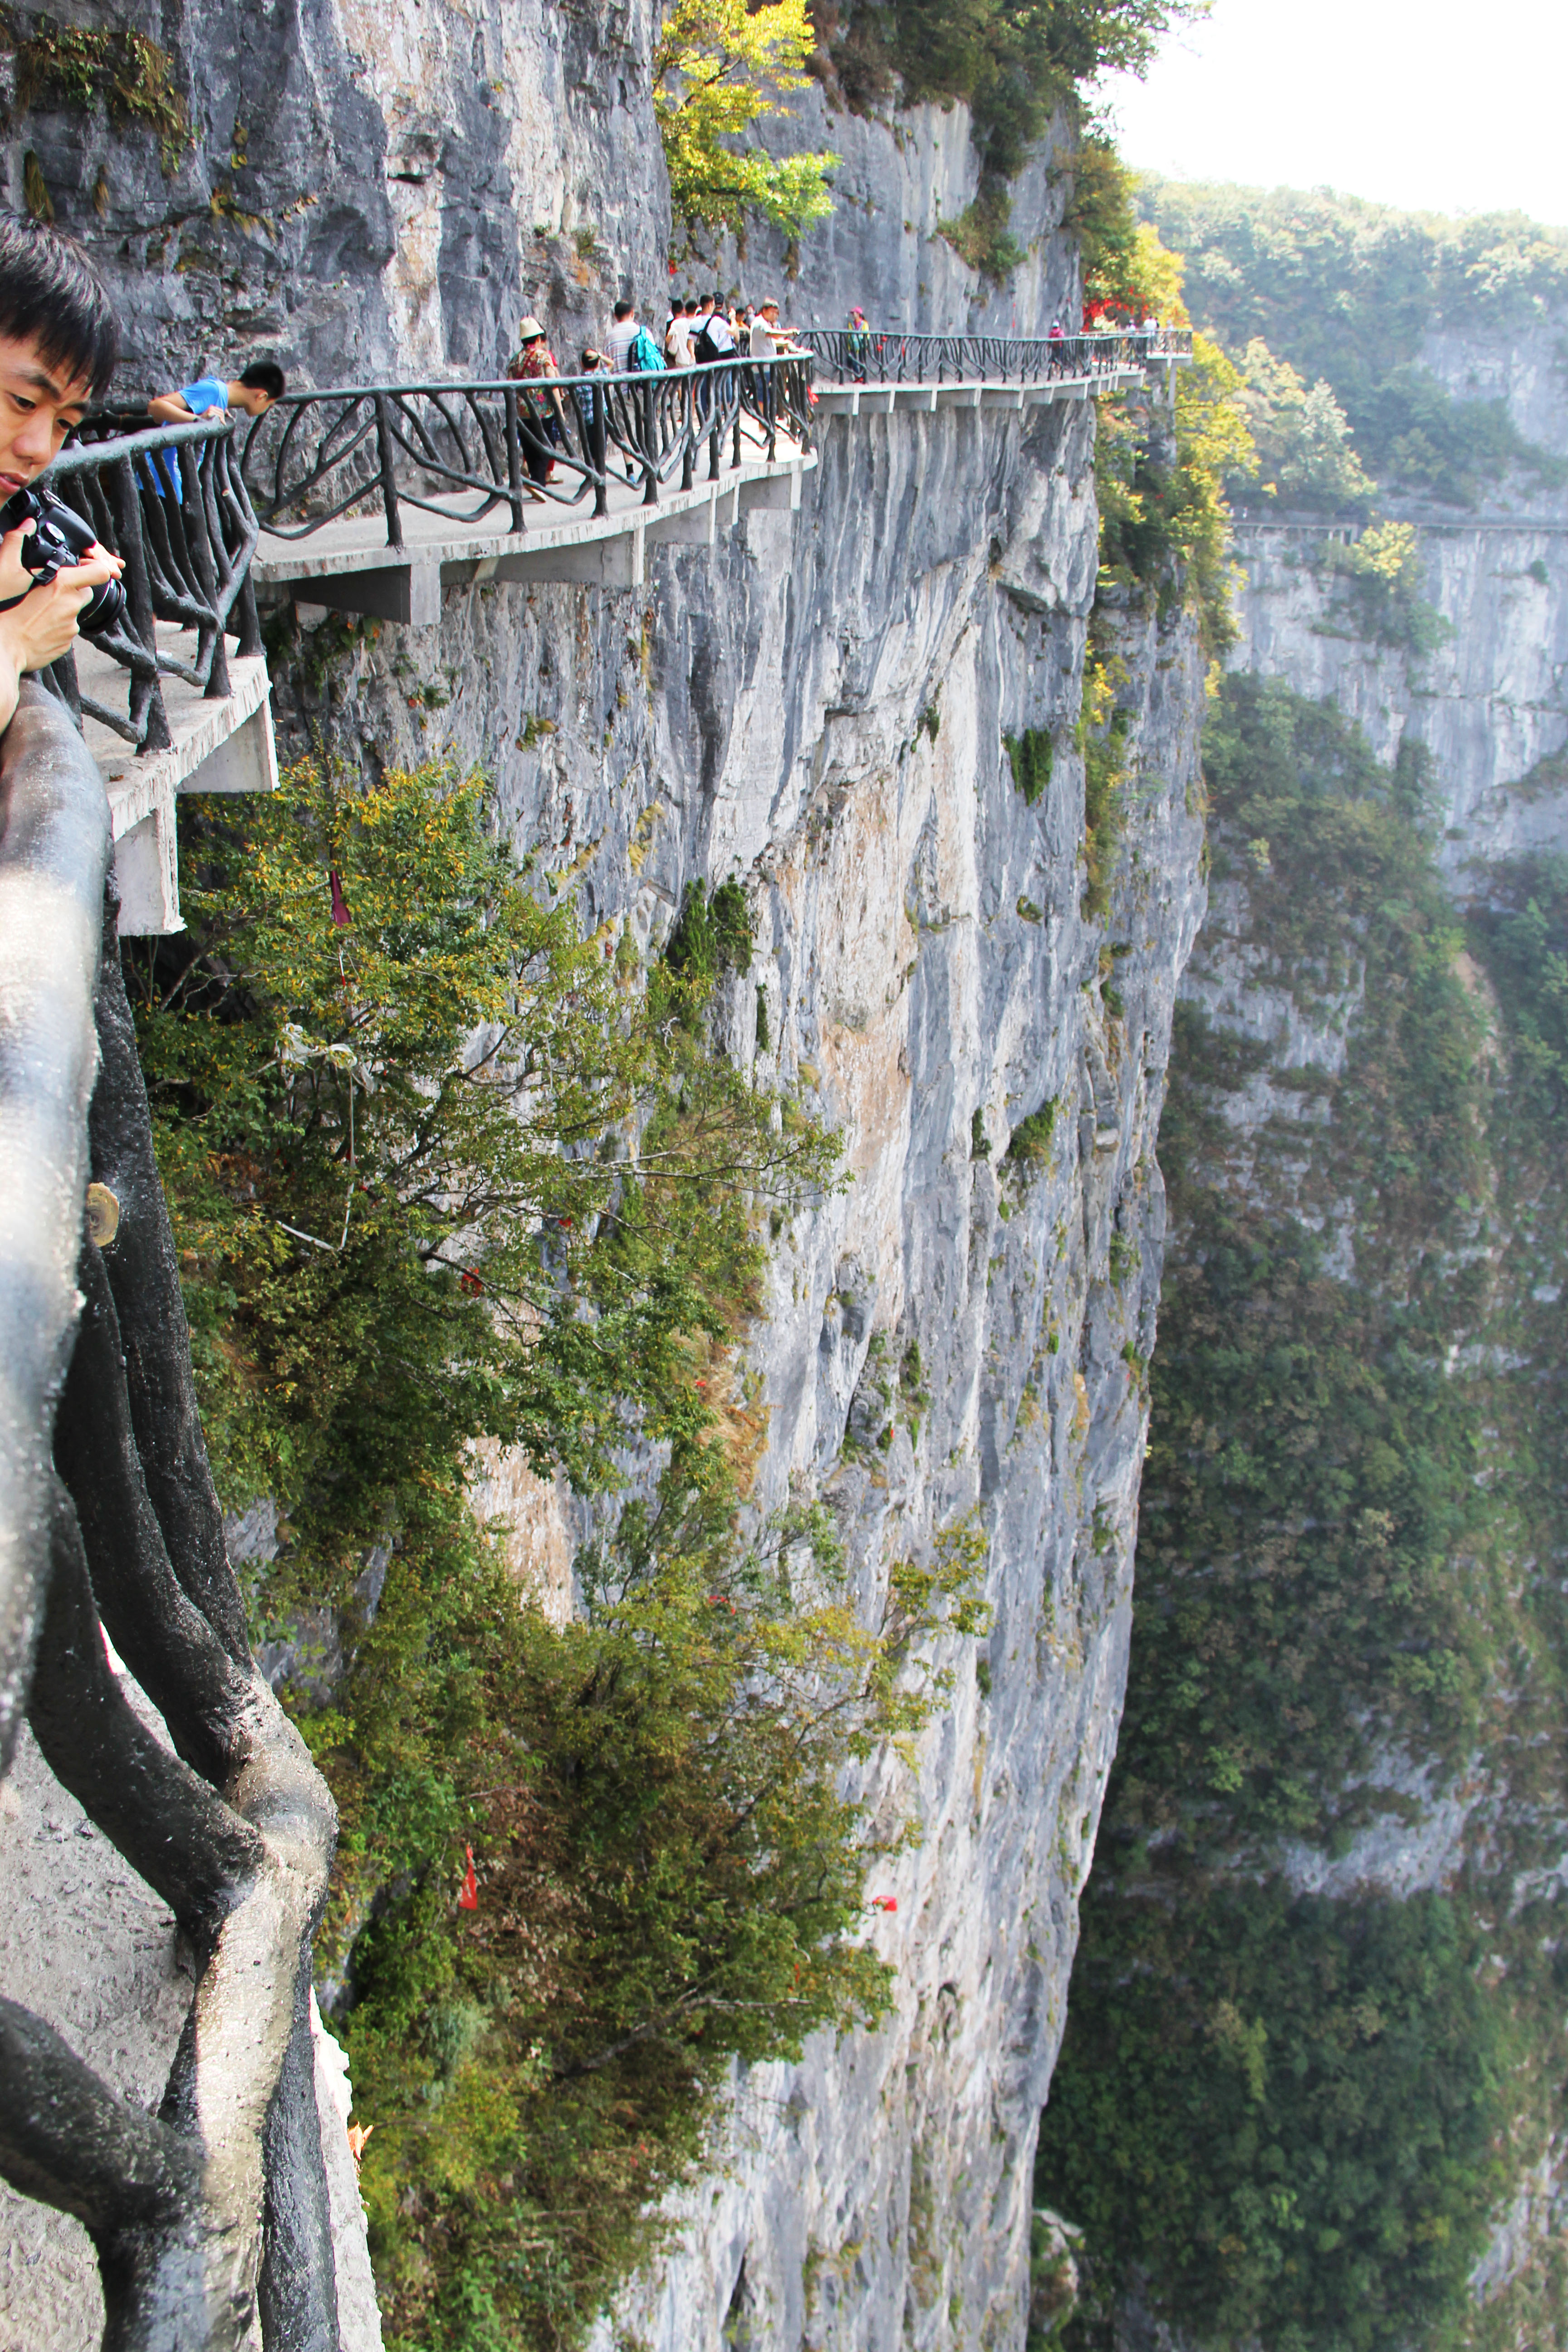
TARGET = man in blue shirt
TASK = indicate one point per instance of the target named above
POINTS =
(253, 392)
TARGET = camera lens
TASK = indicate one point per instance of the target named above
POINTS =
(104, 610)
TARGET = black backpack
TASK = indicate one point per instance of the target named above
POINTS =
(704, 350)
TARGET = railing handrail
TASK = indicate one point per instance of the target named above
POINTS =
(602, 377)
(78, 454)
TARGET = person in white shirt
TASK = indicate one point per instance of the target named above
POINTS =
(677, 335)
(621, 336)
(766, 334)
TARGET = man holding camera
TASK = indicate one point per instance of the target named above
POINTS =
(58, 343)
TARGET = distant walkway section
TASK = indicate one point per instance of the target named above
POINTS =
(861, 370)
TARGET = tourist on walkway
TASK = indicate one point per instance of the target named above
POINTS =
(623, 334)
(542, 422)
(58, 343)
(252, 392)
(766, 332)
(677, 335)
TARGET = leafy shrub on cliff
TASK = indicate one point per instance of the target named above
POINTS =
(1013, 62)
(1163, 517)
(438, 1169)
(1301, 436)
(440, 1173)
(719, 68)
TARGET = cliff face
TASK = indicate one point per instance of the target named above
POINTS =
(818, 707)
(1489, 705)
(822, 714)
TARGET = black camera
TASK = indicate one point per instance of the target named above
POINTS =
(58, 538)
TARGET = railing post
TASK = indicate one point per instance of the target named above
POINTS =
(599, 446)
(514, 460)
(688, 428)
(649, 441)
(735, 451)
(385, 451)
(196, 473)
(154, 731)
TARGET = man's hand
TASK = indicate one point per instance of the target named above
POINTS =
(38, 630)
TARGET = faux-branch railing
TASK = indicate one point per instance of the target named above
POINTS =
(878, 356)
(170, 500)
(464, 451)
(109, 1522)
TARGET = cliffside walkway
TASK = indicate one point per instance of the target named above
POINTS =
(376, 498)
(863, 372)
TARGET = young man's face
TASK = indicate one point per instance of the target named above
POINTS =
(251, 398)
(40, 403)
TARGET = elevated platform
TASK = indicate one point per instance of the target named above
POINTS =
(348, 567)
(884, 399)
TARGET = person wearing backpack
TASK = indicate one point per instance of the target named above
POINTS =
(711, 338)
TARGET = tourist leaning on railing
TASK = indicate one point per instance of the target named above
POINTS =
(58, 343)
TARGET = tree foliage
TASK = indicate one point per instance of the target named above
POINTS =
(719, 68)
(1302, 437)
(444, 1167)
(442, 1170)
(1346, 291)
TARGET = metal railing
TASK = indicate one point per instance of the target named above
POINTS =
(170, 500)
(872, 355)
(465, 452)
(214, 2209)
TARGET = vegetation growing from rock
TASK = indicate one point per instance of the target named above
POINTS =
(442, 1170)
(1013, 62)
(720, 67)
(1291, 2117)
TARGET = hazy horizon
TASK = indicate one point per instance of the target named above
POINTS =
(1359, 101)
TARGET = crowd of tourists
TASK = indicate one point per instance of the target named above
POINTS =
(698, 331)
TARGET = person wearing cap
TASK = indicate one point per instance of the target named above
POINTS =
(859, 346)
(543, 426)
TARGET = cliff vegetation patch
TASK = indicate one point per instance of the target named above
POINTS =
(442, 1170)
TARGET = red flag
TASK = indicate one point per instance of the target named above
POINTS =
(469, 1900)
(339, 904)
(884, 1902)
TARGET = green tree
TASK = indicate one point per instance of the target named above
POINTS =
(719, 68)
(443, 1169)
(1301, 436)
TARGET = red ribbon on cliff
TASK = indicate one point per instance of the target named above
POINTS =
(469, 1900)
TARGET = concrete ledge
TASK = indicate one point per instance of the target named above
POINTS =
(224, 745)
(915, 395)
(348, 568)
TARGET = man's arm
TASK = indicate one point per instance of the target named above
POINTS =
(169, 408)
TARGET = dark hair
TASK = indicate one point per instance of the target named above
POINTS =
(625, 309)
(50, 295)
(265, 375)
(591, 359)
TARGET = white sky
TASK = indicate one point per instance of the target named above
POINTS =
(1426, 103)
